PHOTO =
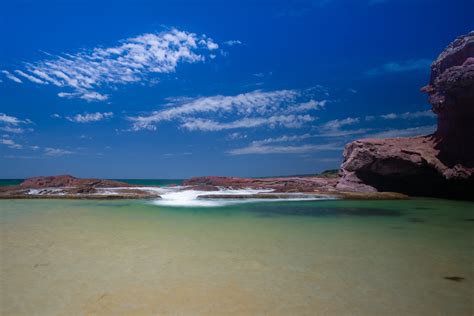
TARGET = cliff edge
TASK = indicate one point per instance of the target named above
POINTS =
(439, 165)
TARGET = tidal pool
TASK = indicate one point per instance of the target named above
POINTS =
(65, 257)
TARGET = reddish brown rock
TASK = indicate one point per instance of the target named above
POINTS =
(281, 184)
(68, 187)
(69, 181)
(440, 165)
(204, 187)
(451, 93)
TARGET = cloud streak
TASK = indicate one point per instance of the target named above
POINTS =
(11, 77)
(90, 117)
(409, 115)
(399, 67)
(232, 42)
(283, 145)
(288, 121)
(10, 124)
(252, 109)
(85, 74)
(56, 152)
(407, 132)
(10, 143)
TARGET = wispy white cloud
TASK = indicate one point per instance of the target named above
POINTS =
(167, 155)
(29, 77)
(133, 60)
(403, 66)
(409, 115)
(343, 132)
(90, 117)
(252, 109)
(284, 149)
(288, 121)
(14, 130)
(336, 125)
(285, 144)
(56, 152)
(85, 95)
(12, 120)
(10, 143)
(11, 124)
(307, 106)
(282, 139)
(232, 42)
(236, 135)
(407, 132)
(11, 77)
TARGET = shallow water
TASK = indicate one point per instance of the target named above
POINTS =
(65, 257)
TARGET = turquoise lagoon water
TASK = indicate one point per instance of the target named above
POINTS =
(66, 257)
(4, 182)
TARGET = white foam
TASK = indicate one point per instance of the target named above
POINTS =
(182, 197)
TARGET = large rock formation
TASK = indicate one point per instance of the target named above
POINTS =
(284, 187)
(441, 164)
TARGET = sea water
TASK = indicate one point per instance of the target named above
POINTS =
(322, 257)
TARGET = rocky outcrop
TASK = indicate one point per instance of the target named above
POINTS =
(280, 184)
(285, 187)
(70, 181)
(439, 165)
(451, 93)
(69, 187)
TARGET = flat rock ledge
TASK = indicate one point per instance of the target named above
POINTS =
(69, 187)
(285, 188)
(311, 196)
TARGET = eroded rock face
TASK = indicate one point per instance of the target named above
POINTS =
(441, 164)
(451, 93)
(407, 165)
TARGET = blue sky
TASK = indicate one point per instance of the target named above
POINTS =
(174, 89)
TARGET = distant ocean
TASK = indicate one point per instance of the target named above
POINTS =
(141, 182)
(4, 182)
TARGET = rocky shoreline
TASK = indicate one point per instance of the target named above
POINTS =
(437, 165)
(68, 187)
